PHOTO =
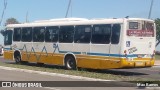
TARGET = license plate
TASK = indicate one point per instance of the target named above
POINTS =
(139, 63)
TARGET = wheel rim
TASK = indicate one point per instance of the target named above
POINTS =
(70, 63)
(17, 59)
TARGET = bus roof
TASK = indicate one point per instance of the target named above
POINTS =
(73, 21)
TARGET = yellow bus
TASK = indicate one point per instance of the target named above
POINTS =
(86, 43)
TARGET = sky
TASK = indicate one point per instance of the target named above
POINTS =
(49, 9)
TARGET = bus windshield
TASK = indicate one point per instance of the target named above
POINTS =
(8, 37)
(140, 29)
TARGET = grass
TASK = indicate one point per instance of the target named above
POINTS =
(100, 74)
(157, 57)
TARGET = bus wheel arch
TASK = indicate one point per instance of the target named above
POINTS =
(17, 56)
(70, 62)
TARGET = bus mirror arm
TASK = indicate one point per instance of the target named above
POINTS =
(2, 32)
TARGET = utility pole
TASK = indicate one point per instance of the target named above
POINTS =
(69, 5)
(3, 12)
(150, 11)
(27, 17)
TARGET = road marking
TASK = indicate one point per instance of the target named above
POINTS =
(53, 74)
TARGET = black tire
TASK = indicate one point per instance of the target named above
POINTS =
(70, 63)
(24, 62)
(17, 59)
(40, 64)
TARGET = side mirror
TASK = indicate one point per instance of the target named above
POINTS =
(2, 32)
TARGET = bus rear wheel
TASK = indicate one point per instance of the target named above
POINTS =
(70, 63)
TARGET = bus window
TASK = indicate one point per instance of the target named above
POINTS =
(17, 34)
(82, 34)
(38, 34)
(101, 34)
(133, 25)
(66, 34)
(8, 37)
(149, 26)
(51, 34)
(115, 33)
(27, 34)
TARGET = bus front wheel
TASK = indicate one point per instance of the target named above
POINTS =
(70, 63)
(17, 59)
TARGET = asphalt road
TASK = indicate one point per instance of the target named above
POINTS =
(150, 72)
(21, 75)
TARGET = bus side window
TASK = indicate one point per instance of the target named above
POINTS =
(17, 34)
(51, 34)
(66, 34)
(27, 34)
(101, 34)
(116, 28)
(38, 34)
(82, 34)
(149, 26)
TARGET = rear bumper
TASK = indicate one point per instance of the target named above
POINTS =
(142, 62)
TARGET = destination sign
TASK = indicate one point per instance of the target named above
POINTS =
(140, 33)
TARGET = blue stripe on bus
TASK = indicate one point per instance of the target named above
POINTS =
(101, 54)
(113, 55)
(11, 49)
(7, 49)
(70, 52)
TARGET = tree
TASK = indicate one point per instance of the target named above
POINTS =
(11, 21)
(157, 21)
